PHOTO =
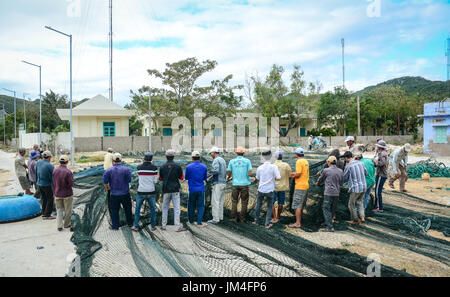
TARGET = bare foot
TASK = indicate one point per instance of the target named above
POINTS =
(269, 226)
(275, 221)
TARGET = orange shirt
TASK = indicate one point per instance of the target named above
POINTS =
(302, 167)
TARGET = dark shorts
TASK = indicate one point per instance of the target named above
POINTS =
(299, 200)
(24, 183)
(280, 198)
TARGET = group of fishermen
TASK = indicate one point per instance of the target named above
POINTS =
(361, 174)
(53, 186)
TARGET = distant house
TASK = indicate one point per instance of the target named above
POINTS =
(437, 128)
(98, 117)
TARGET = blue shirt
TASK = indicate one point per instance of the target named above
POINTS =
(118, 177)
(196, 173)
(44, 172)
(239, 168)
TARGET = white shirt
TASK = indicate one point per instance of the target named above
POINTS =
(266, 174)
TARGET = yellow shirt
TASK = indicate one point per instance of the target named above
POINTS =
(285, 172)
(108, 161)
(302, 167)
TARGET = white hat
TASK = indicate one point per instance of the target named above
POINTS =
(170, 153)
(117, 157)
(215, 150)
(195, 154)
(407, 147)
(350, 138)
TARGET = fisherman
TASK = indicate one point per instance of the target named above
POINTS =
(266, 175)
(398, 162)
(355, 173)
(196, 174)
(333, 177)
(240, 169)
(351, 145)
(370, 179)
(301, 177)
(117, 180)
(44, 180)
(62, 187)
(148, 178)
(34, 156)
(219, 173)
(170, 174)
(108, 162)
(316, 143)
(381, 162)
(323, 141)
(281, 186)
(339, 163)
(310, 142)
(21, 171)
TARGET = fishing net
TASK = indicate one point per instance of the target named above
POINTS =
(235, 249)
(432, 167)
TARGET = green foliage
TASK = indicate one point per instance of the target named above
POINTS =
(181, 94)
(296, 104)
(135, 126)
(325, 132)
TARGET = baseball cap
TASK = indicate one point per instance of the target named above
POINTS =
(110, 150)
(47, 154)
(117, 157)
(64, 159)
(359, 155)
(350, 138)
(300, 151)
(170, 153)
(407, 147)
(278, 154)
(240, 150)
(148, 156)
(332, 159)
(215, 150)
(195, 154)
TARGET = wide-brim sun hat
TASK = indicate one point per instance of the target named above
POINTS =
(382, 144)
(407, 147)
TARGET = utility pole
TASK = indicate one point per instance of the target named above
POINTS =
(111, 94)
(359, 117)
(4, 125)
(149, 119)
(72, 162)
(25, 111)
(40, 99)
(448, 59)
(343, 62)
(15, 127)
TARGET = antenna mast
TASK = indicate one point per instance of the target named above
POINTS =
(343, 63)
(111, 97)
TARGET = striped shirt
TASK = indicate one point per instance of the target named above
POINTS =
(355, 173)
(148, 177)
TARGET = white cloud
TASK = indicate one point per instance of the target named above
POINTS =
(242, 38)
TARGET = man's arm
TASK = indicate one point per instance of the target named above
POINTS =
(346, 173)
(215, 167)
(106, 180)
(321, 178)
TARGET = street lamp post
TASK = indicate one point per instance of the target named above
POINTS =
(4, 125)
(25, 111)
(15, 129)
(40, 99)
(71, 127)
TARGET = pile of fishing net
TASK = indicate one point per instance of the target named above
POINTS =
(430, 166)
(231, 249)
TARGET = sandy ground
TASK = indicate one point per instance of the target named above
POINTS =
(19, 242)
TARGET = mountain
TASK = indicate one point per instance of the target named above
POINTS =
(9, 103)
(430, 90)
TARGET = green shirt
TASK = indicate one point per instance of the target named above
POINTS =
(370, 177)
(239, 168)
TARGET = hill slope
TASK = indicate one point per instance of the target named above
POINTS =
(430, 90)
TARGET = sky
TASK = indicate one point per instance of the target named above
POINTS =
(385, 39)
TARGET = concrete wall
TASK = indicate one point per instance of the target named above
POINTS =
(62, 140)
(93, 126)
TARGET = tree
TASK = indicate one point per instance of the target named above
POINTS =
(50, 119)
(181, 94)
(295, 104)
(335, 109)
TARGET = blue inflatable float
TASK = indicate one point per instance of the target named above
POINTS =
(18, 208)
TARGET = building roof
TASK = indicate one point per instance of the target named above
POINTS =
(96, 106)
